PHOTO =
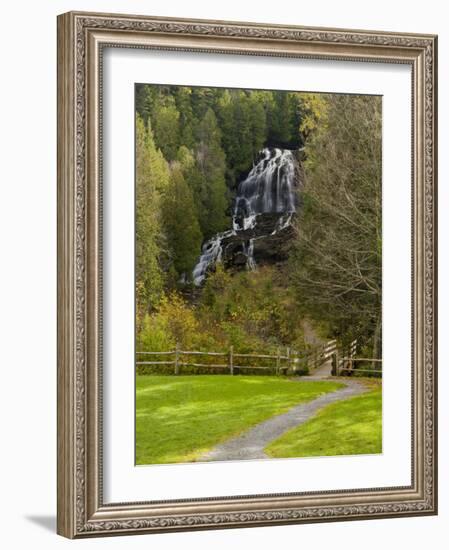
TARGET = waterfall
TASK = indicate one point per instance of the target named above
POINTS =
(210, 254)
(248, 250)
(269, 189)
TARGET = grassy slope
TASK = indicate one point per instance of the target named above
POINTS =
(179, 418)
(349, 427)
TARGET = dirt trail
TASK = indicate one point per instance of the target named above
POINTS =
(251, 444)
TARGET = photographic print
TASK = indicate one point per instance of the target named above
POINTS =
(258, 274)
(247, 274)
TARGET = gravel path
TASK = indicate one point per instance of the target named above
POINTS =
(251, 444)
(322, 372)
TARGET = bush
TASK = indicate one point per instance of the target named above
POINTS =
(155, 335)
(174, 322)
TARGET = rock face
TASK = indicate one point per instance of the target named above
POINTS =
(265, 205)
(270, 239)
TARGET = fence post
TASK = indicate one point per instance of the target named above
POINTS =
(288, 359)
(337, 366)
(278, 361)
(231, 359)
(351, 355)
(177, 359)
(334, 364)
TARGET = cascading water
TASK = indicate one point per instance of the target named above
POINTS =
(269, 189)
(248, 250)
(210, 254)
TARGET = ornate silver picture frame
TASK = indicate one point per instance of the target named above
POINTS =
(82, 41)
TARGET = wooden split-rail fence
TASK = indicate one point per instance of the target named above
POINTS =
(348, 365)
(231, 361)
(345, 362)
(282, 362)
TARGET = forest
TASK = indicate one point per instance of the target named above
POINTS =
(314, 273)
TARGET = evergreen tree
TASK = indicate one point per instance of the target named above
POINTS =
(284, 119)
(243, 139)
(242, 120)
(187, 119)
(152, 178)
(258, 122)
(166, 126)
(211, 164)
(192, 176)
(145, 97)
(225, 117)
(180, 223)
(204, 99)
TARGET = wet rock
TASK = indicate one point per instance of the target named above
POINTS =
(265, 206)
(272, 238)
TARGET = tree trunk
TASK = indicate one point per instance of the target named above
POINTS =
(377, 344)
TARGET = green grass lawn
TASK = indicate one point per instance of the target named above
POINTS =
(349, 427)
(179, 418)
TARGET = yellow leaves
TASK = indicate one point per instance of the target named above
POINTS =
(179, 318)
(315, 108)
(174, 322)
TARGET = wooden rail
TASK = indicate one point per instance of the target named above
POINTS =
(280, 361)
(289, 361)
(346, 365)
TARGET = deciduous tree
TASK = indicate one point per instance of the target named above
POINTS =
(336, 267)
